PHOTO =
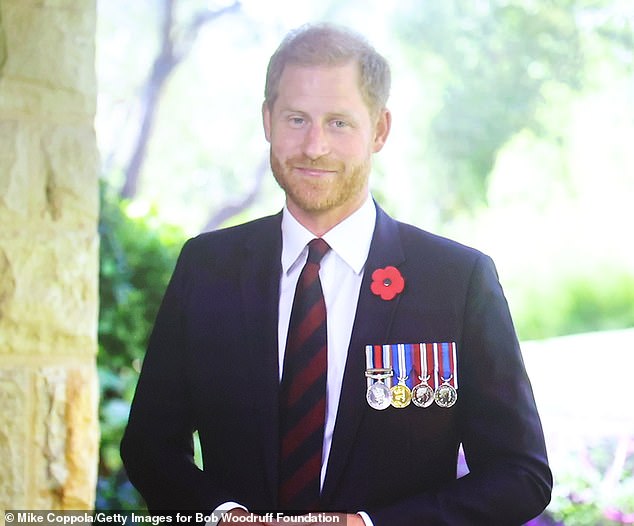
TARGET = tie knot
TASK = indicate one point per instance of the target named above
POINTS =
(317, 249)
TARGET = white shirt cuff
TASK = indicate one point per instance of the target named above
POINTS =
(216, 515)
(366, 518)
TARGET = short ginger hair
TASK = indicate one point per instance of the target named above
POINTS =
(327, 44)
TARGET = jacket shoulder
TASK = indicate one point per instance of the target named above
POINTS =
(422, 243)
(238, 237)
(239, 232)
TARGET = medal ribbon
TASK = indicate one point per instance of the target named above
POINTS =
(369, 361)
(388, 364)
(454, 365)
(412, 351)
(402, 362)
(448, 372)
(377, 357)
(405, 354)
(414, 361)
(422, 355)
(396, 360)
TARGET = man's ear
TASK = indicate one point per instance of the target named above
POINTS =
(382, 129)
(266, 120)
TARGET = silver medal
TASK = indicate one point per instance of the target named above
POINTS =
(379, 396)
(422, 395)
(446, 395)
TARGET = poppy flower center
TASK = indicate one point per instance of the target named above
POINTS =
(387, 282)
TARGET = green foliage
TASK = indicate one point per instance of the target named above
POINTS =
(577, 303)
(498, 58)
(136, 262)
(595, 485)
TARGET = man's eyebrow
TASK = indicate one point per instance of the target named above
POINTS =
(343, 114)
(292, 110)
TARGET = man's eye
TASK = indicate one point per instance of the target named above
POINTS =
(339, 123)
(296, 121)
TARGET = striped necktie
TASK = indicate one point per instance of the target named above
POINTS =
(303, 390)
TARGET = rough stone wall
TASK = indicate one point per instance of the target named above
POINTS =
(48, 255)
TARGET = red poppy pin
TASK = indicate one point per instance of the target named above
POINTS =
(387, 283)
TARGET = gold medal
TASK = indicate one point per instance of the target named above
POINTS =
(401, 395)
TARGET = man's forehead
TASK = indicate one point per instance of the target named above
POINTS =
(310, 81)
(341, 68)
(307, 84)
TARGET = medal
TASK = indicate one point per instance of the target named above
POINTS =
(447, 394)
(379, 396)
(391, 369)
(378, 368)
(422, 394)
(401, 394)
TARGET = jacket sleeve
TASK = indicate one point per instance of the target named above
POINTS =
(157, 448)
(509, 480)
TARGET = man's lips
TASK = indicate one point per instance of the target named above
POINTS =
(314, 171)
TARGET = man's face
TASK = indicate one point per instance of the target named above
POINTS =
(322, 138)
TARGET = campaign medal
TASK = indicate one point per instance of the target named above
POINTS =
(401, 394)
(378, 363)
(447, 394)
(379, 395)
(422, 393)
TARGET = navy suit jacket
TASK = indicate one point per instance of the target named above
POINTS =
(212, 366)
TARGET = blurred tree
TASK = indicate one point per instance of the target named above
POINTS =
(176, 41)
(171, 118)
(498, 57)
(499, 62)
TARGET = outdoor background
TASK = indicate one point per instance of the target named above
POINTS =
(513, 131)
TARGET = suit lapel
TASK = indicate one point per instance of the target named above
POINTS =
(260, 279)
(371, 326)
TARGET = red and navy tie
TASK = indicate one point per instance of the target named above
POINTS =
(303, 390)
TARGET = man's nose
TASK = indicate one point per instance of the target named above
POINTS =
(316, 143)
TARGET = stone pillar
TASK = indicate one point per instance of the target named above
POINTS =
(48, 255)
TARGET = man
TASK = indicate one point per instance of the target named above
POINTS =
(389, 312)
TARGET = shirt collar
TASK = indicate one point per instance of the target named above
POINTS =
(350, 239)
